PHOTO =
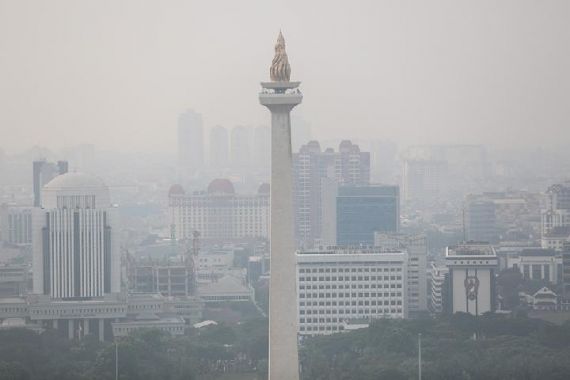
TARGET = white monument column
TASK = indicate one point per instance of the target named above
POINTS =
(280, 96)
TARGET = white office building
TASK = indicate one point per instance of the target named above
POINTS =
(75, 240)
(340, 284)
(472, 268)
(416, 246)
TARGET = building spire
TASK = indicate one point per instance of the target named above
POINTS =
(280, 70)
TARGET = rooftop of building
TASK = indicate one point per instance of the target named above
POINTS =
(471, 248)
(343, 250)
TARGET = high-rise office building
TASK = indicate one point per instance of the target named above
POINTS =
(240, 147)
(312, 166)
(343, 283)
(363, 210)
(480, 219)
(75, 240)
(471, 282)
(190, 143)
(219, 148)
(43, 172)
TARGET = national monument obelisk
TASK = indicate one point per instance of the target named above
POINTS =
(280, 96)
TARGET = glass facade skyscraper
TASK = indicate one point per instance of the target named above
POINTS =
(363, 210)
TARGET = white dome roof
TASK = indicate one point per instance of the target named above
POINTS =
(75, 181)
(72, 189)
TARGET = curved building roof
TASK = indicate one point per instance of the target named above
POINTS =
(221, 186)
(176, 189)
(76, 190)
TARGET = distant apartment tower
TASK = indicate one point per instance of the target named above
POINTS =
(471, 286)
(363, 210)
(423, 180)
(43, 172)
(75, 240)
(219, 148)
(240, 147)
(480, 219)
(190, 143)
(344, 284)
(348, 166)
(16, 224)
(416, 247)
(219, 213)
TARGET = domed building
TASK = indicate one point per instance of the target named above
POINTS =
(75, 239)
(219, 213)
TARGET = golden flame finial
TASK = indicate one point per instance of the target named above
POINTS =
(280, 70)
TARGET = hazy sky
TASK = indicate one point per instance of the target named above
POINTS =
(117, 73)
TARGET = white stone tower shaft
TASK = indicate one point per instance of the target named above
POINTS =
(280, 98)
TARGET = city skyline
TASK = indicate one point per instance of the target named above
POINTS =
(405, 72)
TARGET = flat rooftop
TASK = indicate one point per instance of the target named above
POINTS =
(471, 249)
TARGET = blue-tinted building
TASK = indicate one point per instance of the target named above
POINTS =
(362, 210)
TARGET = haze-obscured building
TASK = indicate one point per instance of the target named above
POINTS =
(43, 172)
(16, 225)
(219, 213)
(190, 143)
(312, 167)
(219, 148)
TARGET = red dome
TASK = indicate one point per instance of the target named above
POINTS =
(263, 188)
(221, 186)
(176, 190)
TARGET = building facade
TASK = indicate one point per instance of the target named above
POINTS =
(75, 240)
(340, 284)
(219, 213)
(363, 210)
(471, 284)
(16, 225)
(190, 143)
(43, 172)
(312, 166)
(416, 247)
